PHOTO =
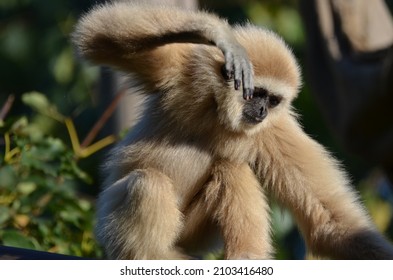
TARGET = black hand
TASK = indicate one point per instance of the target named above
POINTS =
(238, 67)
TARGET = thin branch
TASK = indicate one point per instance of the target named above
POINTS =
(88, 151)
(73, 135)
(7, 107)
(102, 120)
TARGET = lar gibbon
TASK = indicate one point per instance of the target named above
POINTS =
(198, 167)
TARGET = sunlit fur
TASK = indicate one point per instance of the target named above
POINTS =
(193, 172)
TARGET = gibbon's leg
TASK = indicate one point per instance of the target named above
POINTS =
(233, 197)
(242, 212)
(305, 178)
(138, 217)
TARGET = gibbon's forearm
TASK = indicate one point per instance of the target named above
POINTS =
(112, 33)
(311, 183)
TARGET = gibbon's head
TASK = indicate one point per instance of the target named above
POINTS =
(276, 79)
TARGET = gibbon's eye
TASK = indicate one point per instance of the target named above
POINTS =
(260, 92)
(274, 100)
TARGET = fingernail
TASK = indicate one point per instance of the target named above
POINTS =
(251, 93)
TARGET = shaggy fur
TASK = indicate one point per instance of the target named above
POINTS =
(193, 172)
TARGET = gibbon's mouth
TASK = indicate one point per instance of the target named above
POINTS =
(252, 119)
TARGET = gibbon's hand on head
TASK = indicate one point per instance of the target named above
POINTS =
(196, 170)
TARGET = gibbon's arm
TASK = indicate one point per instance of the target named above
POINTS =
(127, 36)
(305, 178)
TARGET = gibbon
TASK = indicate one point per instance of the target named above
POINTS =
(196, 171)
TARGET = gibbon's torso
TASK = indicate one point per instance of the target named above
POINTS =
(187, 158)
(204, 148)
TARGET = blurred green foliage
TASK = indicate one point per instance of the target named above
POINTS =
(36, 54)
(40, 205)
(46, 200)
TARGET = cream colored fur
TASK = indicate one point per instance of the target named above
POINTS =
(192, 171)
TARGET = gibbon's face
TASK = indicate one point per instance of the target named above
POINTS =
(256, 109)
(271, 99)
(276, 79)
(259, 112)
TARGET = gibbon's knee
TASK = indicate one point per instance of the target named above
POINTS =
(138, 217)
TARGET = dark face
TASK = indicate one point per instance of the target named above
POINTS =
(257, 108)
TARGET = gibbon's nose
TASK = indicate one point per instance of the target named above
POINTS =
(262, 112)
(259, 115)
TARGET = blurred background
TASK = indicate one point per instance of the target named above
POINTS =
(59, 115)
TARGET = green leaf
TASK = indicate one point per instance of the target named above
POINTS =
(8, 177)
(17, 239)
(36, 100)
(4, 214)
(43, 228)
(40, 103)
(84, 205)
(26, 188)
(20, 124)
(56, 146)
(81, 174)
(64, 67)
(71, 216)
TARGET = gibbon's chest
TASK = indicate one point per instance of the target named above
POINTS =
(187, 165)
(188, 162)
(234, 148)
